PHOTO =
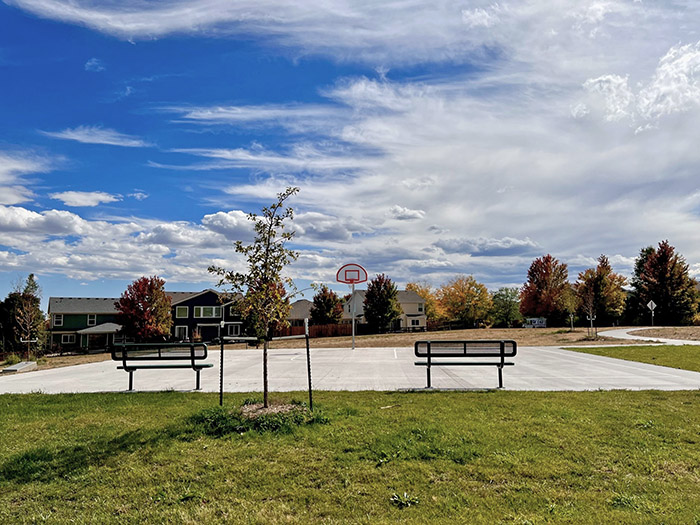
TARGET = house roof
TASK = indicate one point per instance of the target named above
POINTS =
(82, 305)
(301, 309)
(105, 305)
(104, 328)
(403, 296)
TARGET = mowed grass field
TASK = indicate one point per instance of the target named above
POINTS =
(455, 457)
(685, 357)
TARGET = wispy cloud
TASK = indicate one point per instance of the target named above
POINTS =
(84, 198)
(14, 168)
(98, 135)
(95, 65)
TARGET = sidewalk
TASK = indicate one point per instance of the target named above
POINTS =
(623, 333)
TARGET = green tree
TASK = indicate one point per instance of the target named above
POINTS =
(264, 301)
(544, 293)
(426, 292)
(505, 310)
(381, 304)
(661, 275)
(144, 310)
(465, 299)
(327, 308)
(600, 292)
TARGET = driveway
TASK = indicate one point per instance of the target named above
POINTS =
(537, 368)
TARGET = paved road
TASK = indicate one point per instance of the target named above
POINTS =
(537, 368)
(624, 333)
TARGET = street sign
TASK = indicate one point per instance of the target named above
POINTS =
(651, 305)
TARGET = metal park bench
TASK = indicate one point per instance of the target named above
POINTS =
(460, 353)
(142, 356)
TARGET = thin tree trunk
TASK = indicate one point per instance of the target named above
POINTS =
(265, 343)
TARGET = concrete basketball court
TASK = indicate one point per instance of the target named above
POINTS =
(536, 368)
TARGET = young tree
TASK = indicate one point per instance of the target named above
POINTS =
(327, 308)
(600, 292)
(23, 315)
(143, 310)
(381, 303)
(505, 311)
(265, 301)
(426, 292)
(544, 293)
(661, 275)
(465, 299)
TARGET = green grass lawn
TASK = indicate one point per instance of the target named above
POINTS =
(475, 457)
(686, 357)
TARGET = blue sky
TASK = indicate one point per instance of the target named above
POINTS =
(429, 139)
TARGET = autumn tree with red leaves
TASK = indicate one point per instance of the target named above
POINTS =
(544, 294)
(327, 308)
(143, 310)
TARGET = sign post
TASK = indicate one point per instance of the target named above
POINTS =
(351, 274)
(651, 305)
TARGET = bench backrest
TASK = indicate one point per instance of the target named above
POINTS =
(159, 351)
(477, 348)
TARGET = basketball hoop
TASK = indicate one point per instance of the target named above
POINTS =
(351, 274)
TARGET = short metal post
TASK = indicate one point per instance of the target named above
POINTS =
(131, 380)
(197, 370)
(428, 366)
(500, 367)
(308, 363)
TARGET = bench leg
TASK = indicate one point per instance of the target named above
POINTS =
(427, 368)
(198, 388)
(131, 380)
(500, 377)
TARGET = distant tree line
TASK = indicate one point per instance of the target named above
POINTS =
(660, 275)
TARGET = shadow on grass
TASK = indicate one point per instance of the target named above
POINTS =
(45, 464)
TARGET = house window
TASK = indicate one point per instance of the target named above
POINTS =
(181, 333)
(92, 319)
(207, 311)
(420, 307)
(68, 339)
(415, 322)
(234, 330)
(58, 319)
(181, 312)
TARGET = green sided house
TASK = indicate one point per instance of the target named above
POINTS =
(82, 322)
(89, 323)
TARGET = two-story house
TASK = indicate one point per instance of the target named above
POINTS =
(412, 305)
(197, 316)
(82, 322)
(88, 323)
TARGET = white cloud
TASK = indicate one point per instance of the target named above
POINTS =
(14, 168)
(84, 198)
(405, 214)
(95, 65)
(138, 195)
(98, 135)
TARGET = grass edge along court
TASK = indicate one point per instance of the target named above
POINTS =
(684, 357)
(382, 457)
